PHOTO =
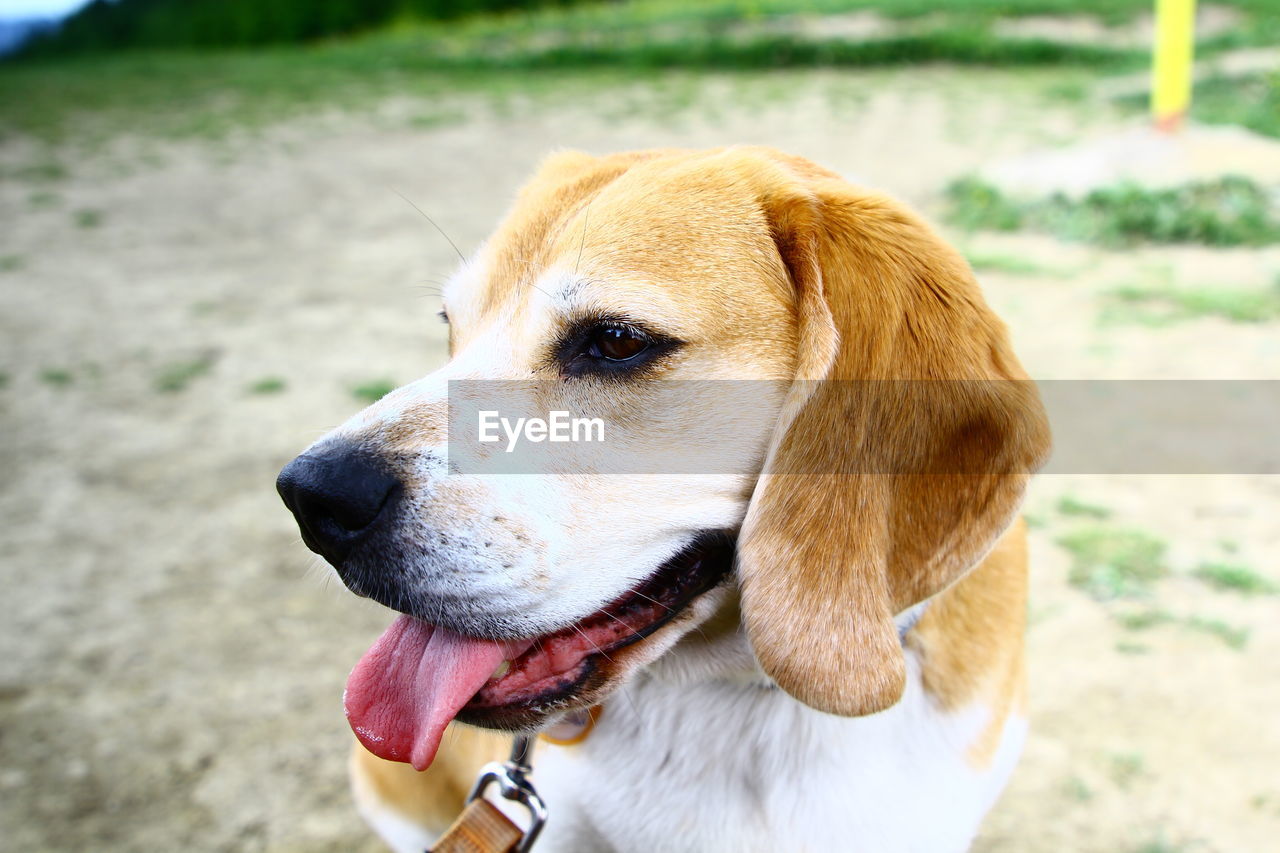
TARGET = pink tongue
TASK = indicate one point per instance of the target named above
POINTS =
(412, 683)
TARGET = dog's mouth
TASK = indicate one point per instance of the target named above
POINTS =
(418, 677)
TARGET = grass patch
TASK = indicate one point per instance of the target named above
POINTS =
(1126, 768)
(1160, 845)
(4, 379)
(976, 205)
(1230, 211)
(1236, 578)
(1072, 506)
(210, 91)
(177, 376)
(1251, 101)
(1157, 306)
(1076, 789)
(268, 385)
(1141, 620)
(209, 94)
(87, 218)
(1011, 264)
(46, 170)
(373, 391)
(57, 377)
(1110, 563)
(1248, 100)
(1235, 637)
(11, 263)
(43, 199)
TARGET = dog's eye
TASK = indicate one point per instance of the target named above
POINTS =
(610, 347)
(443, 315)
(616, 343)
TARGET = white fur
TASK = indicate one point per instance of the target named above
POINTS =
(723, 765)
(700, 753)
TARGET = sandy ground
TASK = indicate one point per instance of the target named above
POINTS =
(172, 659)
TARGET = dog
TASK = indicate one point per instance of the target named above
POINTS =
(817, 648)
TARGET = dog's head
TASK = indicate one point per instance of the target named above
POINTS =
(885, 447)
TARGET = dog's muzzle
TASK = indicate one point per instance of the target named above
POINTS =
(338, 493)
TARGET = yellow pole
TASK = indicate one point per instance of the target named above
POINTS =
(1171, 68)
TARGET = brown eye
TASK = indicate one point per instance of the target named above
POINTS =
(616, 343)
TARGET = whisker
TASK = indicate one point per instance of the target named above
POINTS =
(593, 645)
(586, 219)
(654, 600)
(433, 225)
(637, 634)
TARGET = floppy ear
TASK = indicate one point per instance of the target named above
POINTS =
(902, 452)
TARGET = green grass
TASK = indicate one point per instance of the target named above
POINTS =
(40, 171)
(1235, 637)
(56, 377)
(216, 93)
(212, 94)
(178, 375)
(373, 390)
(1011, 264)
(1247, 100)
(1076, 789)
(1141, 620)
(1230, 211)
(87, 218)
(1161, 305)
(5, 379)
(1126, 768)
(43, 199)
(1072, 506)
(1110, 563)
(1236, 578)
(268, 385)
(1251, 101)
(11, 263)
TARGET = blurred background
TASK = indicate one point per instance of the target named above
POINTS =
(208, 258)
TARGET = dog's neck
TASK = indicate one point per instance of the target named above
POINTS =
(719, 651)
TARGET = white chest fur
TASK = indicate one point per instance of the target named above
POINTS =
(719, 766)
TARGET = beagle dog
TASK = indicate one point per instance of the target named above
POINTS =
(818, 647)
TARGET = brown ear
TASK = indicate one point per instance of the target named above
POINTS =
(902, 452)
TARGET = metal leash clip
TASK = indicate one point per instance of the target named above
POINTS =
(511, 777)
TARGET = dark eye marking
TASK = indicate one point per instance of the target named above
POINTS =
(443, 315)
(607, 346)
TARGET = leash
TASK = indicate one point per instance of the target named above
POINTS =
(482, 827)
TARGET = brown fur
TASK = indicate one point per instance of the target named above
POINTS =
(435, 796)
(970, 640)
(893, 321)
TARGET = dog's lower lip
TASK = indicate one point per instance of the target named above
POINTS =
(631, 618)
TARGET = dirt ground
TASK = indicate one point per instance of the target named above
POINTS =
(171, 657)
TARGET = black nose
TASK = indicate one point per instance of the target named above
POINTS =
(336, 493)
